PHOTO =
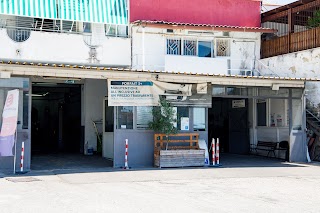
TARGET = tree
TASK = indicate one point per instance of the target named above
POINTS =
(164, 119)
(315, 20)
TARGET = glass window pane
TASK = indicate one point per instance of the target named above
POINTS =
(268, 92)
(204, 49)
(25, 100)
(86, 27)
(122, 30)
(261, 112)
(233, 91)
(199, 119)
(173, 46)
(278, 112)
(125, 117)
(183, 118)
(109, 118)
(218, 91)
(144, 116)
(190, 47)
(111, 30)
(296, 114)
(297, 93)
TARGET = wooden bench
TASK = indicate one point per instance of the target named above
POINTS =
(266, 146)
(181, 150)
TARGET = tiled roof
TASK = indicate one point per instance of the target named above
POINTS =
(213, 27)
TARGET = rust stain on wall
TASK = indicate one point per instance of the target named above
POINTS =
(293, 70)
(305, 59)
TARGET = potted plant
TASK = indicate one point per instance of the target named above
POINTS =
(164, 119)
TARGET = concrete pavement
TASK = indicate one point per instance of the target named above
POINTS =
(278, 188)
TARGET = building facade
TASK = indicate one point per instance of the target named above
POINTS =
(74, 59)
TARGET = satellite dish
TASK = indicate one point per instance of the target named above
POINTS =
(94, 40)
(97, 36)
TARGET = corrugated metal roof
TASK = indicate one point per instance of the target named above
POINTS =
(98, 68)
(217, 27)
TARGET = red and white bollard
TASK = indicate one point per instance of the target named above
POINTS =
(126, 166)
(218, 152)
(213, 150)
(22, 157)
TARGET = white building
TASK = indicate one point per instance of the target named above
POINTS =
(61, 64)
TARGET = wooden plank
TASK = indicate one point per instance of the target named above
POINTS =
(295, 42)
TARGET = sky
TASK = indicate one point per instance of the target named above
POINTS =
(275, 2)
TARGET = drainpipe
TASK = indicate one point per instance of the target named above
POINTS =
(143, 47)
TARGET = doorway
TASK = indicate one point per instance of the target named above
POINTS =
(56, 118)
(228, 121)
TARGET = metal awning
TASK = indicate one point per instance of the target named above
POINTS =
(98, 11)
(100, 72)
(29, 8)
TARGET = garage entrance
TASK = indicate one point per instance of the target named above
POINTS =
(57, 134)
(56, 118)
(228, 121)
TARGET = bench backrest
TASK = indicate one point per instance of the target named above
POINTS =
(267, 144)
(177, 141)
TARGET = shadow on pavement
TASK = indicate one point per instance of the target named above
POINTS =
(70, 164)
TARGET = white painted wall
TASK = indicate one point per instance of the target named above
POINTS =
(194, 64)
(303, 64)
(94, 93)
(65, 48)
(149, 51)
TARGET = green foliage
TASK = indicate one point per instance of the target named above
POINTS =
(163, 118)
(315, 20)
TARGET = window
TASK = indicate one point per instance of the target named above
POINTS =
(87, 27)
(144, 116)
(223, 47)
(17, 29)
(109, 118)
(173, 46)
(205, 49)
(125, 117)
(116, 30)
(218, 91)
(111, 30)
(189, 47)
(199, 119)
(182, 118)
(282, 92)
(296, 114)
(278, 110)
(262, 112)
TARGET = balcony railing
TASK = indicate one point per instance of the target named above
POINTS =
(297, 28)
(291, 43)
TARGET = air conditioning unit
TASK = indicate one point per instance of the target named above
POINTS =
(176, 98)
(226, 34)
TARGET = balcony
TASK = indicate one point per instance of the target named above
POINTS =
(194, 64)
(48, 44)
(298, 29)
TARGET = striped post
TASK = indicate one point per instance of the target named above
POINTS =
(22, 157)
(218, 152)
(126, 156)
(213, 149)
